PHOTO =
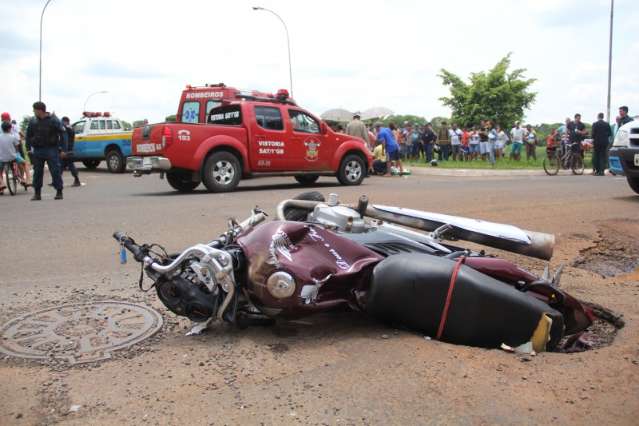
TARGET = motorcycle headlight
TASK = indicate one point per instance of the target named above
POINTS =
(281, 285)
(622, 139)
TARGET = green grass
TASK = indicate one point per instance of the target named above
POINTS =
(501, 164)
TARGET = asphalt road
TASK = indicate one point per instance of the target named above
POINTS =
(335, 369)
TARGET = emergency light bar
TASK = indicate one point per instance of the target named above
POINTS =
(89, 114)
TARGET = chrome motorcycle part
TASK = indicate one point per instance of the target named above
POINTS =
(501, 236)
(339, 217)
(281, 285)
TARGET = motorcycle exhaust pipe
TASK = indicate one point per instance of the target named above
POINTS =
(538, 244)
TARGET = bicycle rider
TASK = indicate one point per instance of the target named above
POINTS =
(578, 133)
(22, 167)
(7, 151)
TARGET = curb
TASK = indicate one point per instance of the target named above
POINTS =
(434, 171)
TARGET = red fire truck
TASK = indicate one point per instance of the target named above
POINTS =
(223, 135)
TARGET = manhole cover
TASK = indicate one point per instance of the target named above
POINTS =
(78, 333)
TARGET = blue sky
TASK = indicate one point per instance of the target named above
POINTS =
(348, 54)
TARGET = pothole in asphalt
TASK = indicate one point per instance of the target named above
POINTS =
(616, 251)
(78, 333)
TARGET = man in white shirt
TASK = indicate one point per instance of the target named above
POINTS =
(454, 135)
(517, 136)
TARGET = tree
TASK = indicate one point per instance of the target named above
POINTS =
(171, 118)
(496, 95)
(399, 120)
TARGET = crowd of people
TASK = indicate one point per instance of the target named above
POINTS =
(486, 141)
(47, 140)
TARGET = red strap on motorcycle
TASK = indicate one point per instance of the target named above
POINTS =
(451, 287)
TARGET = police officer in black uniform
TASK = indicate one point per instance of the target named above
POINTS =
(46, 141)
(68, 161)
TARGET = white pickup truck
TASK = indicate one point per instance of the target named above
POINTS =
(624, 154)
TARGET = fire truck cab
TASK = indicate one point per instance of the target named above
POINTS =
(223, 135)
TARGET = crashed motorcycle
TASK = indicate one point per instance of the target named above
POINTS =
(397, 265)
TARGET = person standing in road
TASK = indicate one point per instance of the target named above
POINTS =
(68, 161)
(357, 129)
(46, 141)
(601, 135)
(443, 141)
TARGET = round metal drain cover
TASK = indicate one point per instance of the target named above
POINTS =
(78, 333)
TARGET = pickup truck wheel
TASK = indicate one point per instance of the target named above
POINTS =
(634, 183)
(222, 172)
(180, 182)
(91, 164)
(351, 171)
(115, 161)
(306, 179)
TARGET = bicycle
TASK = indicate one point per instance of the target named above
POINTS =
(569, 159)
(13, 177)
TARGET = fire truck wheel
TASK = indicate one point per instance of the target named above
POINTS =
(181, 182)
(352, 170)
(222, 172)
(306, 180)
(115, 161)
(634, 183)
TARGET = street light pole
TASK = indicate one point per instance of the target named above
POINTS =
(41, 18)
(612, 8)
(89, 97)
(288, 43)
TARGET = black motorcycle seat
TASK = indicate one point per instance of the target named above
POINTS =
(411, 290)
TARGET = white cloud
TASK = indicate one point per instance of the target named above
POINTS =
(350, 54)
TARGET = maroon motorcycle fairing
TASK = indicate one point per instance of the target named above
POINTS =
(342, 267)
(312, 256)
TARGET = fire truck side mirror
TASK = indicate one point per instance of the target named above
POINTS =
(323, 128)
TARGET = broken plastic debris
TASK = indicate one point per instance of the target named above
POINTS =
(74, 408)
(526, 348)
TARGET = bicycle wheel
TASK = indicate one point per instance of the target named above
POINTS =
(11, 178)
(577, 164)
(16, 172)
(551, 164)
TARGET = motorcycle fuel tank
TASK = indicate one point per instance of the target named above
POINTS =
(324, 267)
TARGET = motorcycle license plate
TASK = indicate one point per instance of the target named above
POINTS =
(637, 160)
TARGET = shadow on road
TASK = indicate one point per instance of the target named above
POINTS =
(631, 198)
(272, 187)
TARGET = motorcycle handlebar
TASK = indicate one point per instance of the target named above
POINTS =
(138, 252)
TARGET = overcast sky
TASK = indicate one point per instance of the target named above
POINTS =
(347, 54)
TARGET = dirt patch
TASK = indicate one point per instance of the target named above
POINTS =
(616, 251)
